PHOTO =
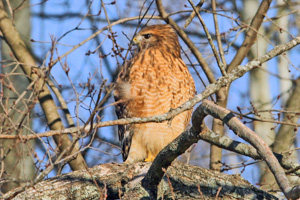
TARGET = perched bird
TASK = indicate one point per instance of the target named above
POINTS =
(152, 83)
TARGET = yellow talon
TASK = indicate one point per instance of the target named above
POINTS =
(150, 158)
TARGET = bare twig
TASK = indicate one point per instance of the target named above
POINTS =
(222, 95)
(186, 39)
(210, 89)
(218, 36)
(210, 41)
(219, 190)
(193, 14)
(250, 35)
(22, 54)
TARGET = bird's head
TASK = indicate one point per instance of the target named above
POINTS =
(145, 39)
(158, 36)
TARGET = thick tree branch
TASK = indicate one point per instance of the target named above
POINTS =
(227, 143)
(122, 181)
(190, 136)
(248, 135)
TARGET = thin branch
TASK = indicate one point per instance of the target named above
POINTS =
(100, 31)
(210, 41)
(193, 14)
(22, 54)
(221, 50)
(251, 35)
(187, 40)
(238, 72)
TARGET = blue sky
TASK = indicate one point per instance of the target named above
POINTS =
(83, 66)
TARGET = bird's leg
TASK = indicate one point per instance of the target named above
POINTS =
(137, 150)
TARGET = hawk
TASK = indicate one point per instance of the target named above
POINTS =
(152, 83)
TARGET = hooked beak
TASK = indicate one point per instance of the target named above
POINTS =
(136, 40)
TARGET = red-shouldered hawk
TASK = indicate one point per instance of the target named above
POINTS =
(153, 82)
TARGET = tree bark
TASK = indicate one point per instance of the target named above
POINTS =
(123, 181)
(18, 162)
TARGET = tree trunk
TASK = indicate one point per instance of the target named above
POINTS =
(260, 89)
(18, 162)
(285, 137)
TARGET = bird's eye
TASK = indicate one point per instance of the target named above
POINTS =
(147, 36)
